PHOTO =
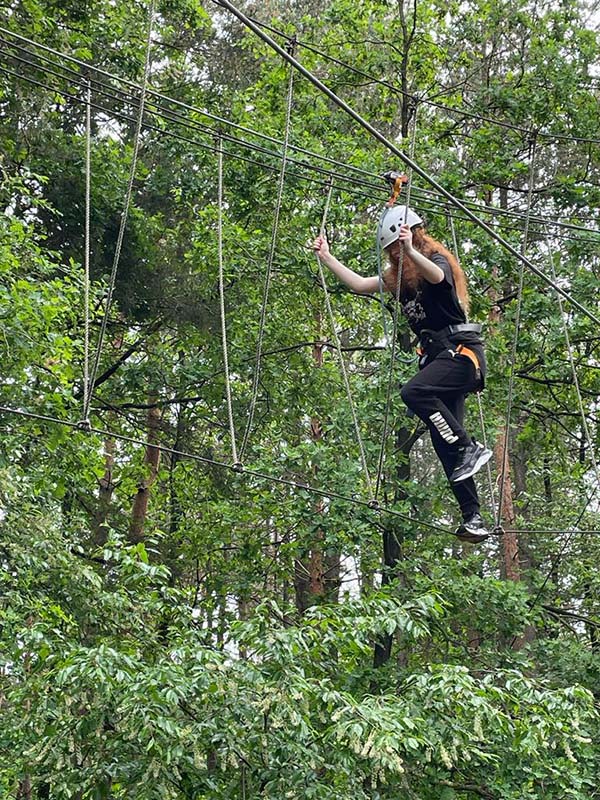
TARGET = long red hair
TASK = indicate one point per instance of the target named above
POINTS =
(411, 278)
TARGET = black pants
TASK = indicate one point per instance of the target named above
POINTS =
(437, 394)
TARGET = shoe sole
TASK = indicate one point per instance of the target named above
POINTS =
(483, 459)
(472, 538)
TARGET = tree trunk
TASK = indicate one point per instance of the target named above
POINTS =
(105, 492)
(152, 460)
(316, 574)
(393, 535)
(509, 566)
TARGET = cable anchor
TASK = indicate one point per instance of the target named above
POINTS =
(498, 530)
(374, 505)
(84, 425)
(237, 466)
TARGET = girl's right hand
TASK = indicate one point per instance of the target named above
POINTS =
(321, 246)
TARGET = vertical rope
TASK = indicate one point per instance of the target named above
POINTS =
(388, 400)
(478, 394)
(584, 423)
(511, 381)
(86, 255)
(124, 213)
(222, 302)
(338, 346)
(271, 256)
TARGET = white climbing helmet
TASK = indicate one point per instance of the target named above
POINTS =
(389, 226)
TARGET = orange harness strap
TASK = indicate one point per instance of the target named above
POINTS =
(466, 351)
(463, 351)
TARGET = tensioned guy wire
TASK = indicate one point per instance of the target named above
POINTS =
(222, 301)
(99, 86)
(124, 213)
(425, 100)
(463, 112)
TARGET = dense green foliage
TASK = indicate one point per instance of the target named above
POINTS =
(172, 629)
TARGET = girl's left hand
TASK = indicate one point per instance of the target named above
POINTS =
(405, 236)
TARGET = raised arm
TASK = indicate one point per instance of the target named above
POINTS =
(430, 271)
(352, 279)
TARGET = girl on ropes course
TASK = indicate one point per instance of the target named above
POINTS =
(434, 298)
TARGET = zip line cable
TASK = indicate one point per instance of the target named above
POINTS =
(169, 114)
(269, 268)
(406, 159)
(546, 135)
(338, 346)
(124, 216)
(513, 359)
(426, 101)
(269, 479)
(234, 454)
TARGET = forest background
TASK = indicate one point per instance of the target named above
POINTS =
(172, 628)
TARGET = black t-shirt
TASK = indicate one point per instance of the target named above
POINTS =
(433, 306)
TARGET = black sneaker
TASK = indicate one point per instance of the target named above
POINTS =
(473, 530)
(470, 460)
